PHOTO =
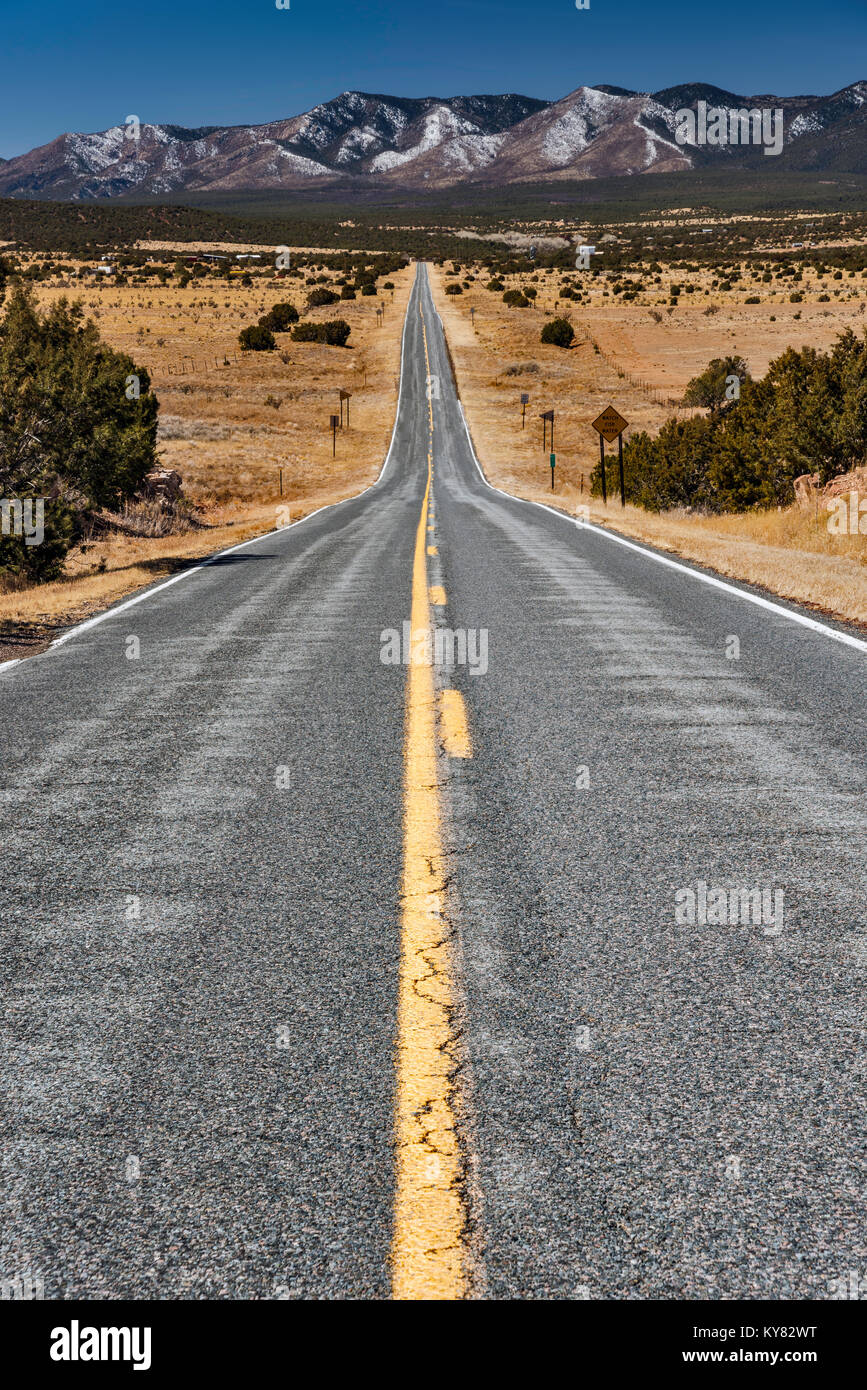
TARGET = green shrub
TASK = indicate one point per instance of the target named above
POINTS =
(453, 289)
(335, 332)
(516, 299)
(709, 389)
(318, 297)
(808, 414)
(6, 269)
(71, 438)
(559, 332)
(368, 289)
(256, 339)
(280, 318)
(667, 471)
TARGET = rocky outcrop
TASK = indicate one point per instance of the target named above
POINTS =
(856, 481)
(162, 484)
(806, 491)
(810, 497)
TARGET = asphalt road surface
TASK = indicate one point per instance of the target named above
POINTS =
(204, 909)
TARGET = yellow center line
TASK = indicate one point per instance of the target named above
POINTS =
(437, 595)
(429, 1219)
(454, 725)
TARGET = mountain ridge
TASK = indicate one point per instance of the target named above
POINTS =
(598, 131)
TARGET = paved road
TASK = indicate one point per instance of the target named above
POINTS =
(201, 916)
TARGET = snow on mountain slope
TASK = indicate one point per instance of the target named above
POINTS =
(591, 134)
(463, 145)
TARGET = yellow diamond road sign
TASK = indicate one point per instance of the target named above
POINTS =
(610, 423)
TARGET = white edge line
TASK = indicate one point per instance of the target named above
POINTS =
(400, 383)
(175, 579)
(858, 643)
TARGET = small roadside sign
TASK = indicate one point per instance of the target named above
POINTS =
(545, 416)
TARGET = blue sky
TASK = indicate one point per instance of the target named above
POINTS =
(88, 65)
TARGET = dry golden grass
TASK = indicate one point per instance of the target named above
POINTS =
(221, 431)
(130, 564)
(787, 552)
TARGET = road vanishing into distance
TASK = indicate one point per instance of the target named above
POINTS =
(345, 961)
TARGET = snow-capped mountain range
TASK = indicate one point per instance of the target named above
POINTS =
(360, 139)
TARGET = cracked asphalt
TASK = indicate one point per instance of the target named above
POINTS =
(201, 922)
